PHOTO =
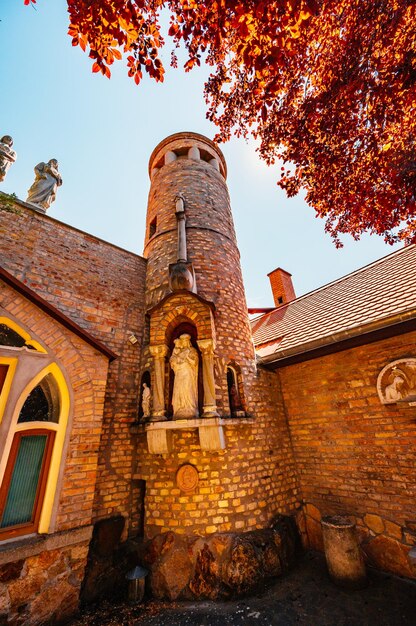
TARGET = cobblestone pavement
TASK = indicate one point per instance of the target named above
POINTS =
(304, 597)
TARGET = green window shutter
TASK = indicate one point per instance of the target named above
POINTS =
(24, 483)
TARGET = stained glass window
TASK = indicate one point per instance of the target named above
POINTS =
(9, 337)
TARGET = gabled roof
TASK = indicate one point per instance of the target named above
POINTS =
(51, 310)
(376, 296)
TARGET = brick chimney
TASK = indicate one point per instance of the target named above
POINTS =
(282, 287)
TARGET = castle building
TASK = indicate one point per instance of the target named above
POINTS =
(137, 400)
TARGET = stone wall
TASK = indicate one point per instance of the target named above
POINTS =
(221, 566)
(353, 454)
(42, 583)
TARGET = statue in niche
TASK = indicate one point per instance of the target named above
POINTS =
(47, 180)
(146, 400)
(234, 399)
(7, 155)
(184, 362)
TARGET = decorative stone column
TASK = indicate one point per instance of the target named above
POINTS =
(159, 354)
(207, 350)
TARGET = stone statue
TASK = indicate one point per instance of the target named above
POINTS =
(184, 362)
(47, 181)
(393, 392)
(234, 399)
(7, 155)
(146, 399)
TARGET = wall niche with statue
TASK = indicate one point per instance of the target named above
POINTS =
(397, 382)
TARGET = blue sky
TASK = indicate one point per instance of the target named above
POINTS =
(103, 131)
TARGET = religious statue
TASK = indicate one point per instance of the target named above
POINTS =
(7, 155)
(184, 362)
(393, 392)
(47, 181)
(146, 398)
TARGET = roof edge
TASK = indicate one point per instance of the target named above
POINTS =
(337, 280)
(336, 342)
(35, 211)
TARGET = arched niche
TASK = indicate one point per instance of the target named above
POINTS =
(235, 390)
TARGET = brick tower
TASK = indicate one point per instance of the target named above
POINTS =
(215, 470)
(188, 171)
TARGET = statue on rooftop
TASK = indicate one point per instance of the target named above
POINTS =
(184, 362)
(47, 180)
(7, 155)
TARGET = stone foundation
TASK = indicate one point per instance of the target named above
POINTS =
(40, 579)
(221, 565)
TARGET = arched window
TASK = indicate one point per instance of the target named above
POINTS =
(32, 455)
(11, 335)
(7, 369)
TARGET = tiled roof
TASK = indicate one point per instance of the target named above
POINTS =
(374, 293)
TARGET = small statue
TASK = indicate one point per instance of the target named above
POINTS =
(234, 399)
(184, 362)
(47, 180)
(7, 155)
(394, 391)
(146, 398)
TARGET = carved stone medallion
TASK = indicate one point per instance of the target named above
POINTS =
(187, 478)
(397, 382)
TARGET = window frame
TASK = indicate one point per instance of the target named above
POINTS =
(31, 526)
(23, 334)
(11, 363)
(46, 507)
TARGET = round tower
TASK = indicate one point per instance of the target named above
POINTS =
(214, 452)
(189, 215)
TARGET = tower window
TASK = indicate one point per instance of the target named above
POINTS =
(152, 227)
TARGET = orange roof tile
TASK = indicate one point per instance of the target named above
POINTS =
(374, 293)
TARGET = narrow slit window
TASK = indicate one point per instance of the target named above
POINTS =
(152, 227)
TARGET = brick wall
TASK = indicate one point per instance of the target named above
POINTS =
(86, 370)
(101, 287)
(353, 454)
(245, 485)
(212, 248)
(240, 488)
